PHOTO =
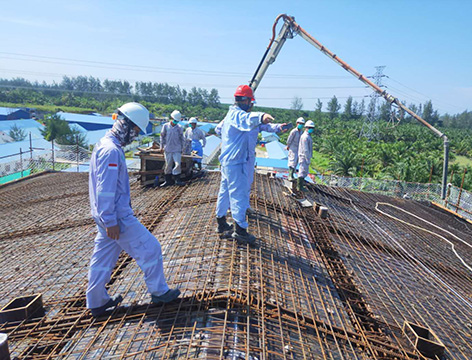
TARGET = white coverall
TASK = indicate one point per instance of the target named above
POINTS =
(235, 142)
(172, 141)
(305, 152)
(292, 144)
(111, 205)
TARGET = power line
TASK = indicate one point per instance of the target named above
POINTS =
(425, 96)
(151, 96)
(145, 68)
(193, 84)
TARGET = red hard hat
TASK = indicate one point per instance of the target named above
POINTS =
(244, 90)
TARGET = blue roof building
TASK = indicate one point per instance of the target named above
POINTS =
(273, 164)
(276, 150)
(269, 136)
(93, 122)
(13, 113)
(27, 125)
(213, 144)
(88, 122)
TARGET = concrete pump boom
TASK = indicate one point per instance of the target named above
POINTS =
(289, 29)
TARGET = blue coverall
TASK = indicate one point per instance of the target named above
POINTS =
(111, 205)
(192, 138)
(235, 142)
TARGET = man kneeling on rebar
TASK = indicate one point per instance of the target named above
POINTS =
(118, 228)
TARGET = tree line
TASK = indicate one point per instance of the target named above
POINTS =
(94, 88)
(403, 150)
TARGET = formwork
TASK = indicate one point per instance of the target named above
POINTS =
(311, 288)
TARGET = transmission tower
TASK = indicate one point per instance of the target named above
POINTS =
(370, 128)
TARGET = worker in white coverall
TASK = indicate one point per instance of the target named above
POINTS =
(234, 194)
(118, 228)
(172, 142)
(305, 153)
(193, 136)
(253, 135)
(292, 147)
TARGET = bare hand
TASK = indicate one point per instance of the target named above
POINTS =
(283, 128)
(286, 148)
(113, 232)
(266, 118)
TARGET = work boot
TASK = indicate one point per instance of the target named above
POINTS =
(169, 181)
(250, 212)
(301, 184)
(199, 165)
(178, 181)
(242, 235)
(114, 300)
(290, 174)
(223, 226)
(169, 296)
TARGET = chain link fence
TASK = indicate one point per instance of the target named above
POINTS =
(458, 200)
(33, 160)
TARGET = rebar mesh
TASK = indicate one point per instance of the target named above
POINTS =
(338, 288)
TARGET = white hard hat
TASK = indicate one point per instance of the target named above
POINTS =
(193, 121)
(310, 124)
(137, 113)
(176, 115)
(300, 120)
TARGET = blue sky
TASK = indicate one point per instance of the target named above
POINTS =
(425, 45)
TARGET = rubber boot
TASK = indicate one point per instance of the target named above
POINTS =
(290, 174)
(223, 225)
(240, 234)
(301, 185)
(178, 181)
(169, 181)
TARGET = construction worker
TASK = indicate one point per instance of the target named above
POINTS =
(234, 194)
(172, 142)
(118, 228)
(305, 152)
(253, 135)
(193, 136)
(292, 147)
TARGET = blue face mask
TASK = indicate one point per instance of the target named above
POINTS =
(300, 126)
(245, 107)
(310, 131)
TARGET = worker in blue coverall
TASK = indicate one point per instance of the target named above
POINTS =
(193, 136)
(305, 153)
(235, 132)
(118, 228)
(253, 136)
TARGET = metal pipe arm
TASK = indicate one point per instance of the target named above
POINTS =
(289, 28)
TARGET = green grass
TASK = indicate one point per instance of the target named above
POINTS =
(319, 162)
(463, 161)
